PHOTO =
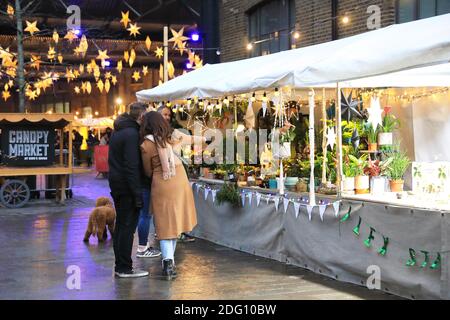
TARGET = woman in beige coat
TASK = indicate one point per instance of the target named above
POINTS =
(172, 201)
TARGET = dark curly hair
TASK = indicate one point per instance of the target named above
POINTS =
(153, 123)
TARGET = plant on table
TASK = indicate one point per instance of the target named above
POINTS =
(399, 163)
(362, 182)
(229, 193)
(372, 136)
(389, 124)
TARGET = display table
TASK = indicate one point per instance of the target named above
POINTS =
(330, 247)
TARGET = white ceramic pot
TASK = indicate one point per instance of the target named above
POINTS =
(349, 184)
(377, 185)
(362, 184)
(385, 138)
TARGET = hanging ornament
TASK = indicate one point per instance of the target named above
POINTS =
(77, 90)
(125, 19)
(322, 209)
(60, 58)
(355, 139)
(309, 209)
(102, 55)
(159, 52)
(55, 36)
(276, 200)
(383, 249)
(412, 261)
(107, 85)
(31, 27)
(356, 229)
(178, 37)
(114, 80)
(51, 53)
(132, 57)
(10, 10)
(347, 215)
(182, 48)
(375, 112)
(191, 57)
(71, 35)
(258, 199)
(426, 260)
(81, 68)
(6, 95)
(108, 75)
(35, 62)
(88, 87)
(171, 69)
(83, 45)
(100, 85)
(331, 137)
(134, 29)
(436, 262)
(148, 43)
(119, 66)
(136, 76)
(144, 70)
(368, 241)
(349, 108)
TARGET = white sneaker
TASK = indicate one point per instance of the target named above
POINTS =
(149, 253)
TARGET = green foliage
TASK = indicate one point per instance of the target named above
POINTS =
(288, 136)
(370, 133)
(358, 164)
(398, 164)
(229, 193)
(390, 123)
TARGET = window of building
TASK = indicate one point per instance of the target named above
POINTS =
(270, 26)
(409, 10)
(51, 103)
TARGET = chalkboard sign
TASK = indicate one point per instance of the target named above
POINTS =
(28, 145)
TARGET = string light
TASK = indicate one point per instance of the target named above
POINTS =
(249, 46)
(345, 19)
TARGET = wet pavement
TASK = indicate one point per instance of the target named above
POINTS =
(43, 240)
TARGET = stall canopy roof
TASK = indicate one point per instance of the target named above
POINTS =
(392, 49)
(56, 120)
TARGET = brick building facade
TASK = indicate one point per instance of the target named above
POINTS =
(313, 20)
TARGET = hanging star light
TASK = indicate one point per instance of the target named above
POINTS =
(349, 107)
(97, 73)
(88, 87)
(134, 29)
(60, 58)
(102, 55)
(51, 53)
(77, 90)
(31, 94)
(331, 137)
(198, 64)
(182, 48)
(159, 52)
(119, 66)
(83, 45)
(178, 37)
(81, 68)
(71, 35)
(171, 69)
(6, 95)
(55, 36)
(31, 27)
(69, 75)
(136, 76)
(100, 85)
(83, 87)
(107, 85)
(125, 18)
(35, 62)
(77, 51)
(132, 57)
(126, 56)
(76, 74)
(114, 80)
(10, 10)
(108, 75)
(191, 57)
(375, 112)
(144, 70)
(148, 43)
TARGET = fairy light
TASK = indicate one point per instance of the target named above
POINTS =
(345, 20)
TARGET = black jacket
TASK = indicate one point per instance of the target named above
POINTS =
(124, 158)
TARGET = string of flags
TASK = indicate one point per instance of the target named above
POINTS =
(248, 196)
(412, 261)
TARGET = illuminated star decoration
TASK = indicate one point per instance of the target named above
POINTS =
(31, 27)
(100, 85)
(6, 95)
(119, 66)
(71, 35)
(55, 36)
(132, 57)
(159, 52)
(136, 76)
(331, 137)
(375, 112)
(10, 10)
(125, 18)
(35, 62)
(178, 37)
(148, 43)
(182, 48)
(51, 53)
(114, 80)
(349, 107)
(77, 90)
(134, 29)
(144, 70)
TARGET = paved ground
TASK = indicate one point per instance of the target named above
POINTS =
(41, 241)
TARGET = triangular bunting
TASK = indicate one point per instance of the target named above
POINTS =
(336, 208)
(243, 195)
(285, 204)
(269, 197)
(276, 200)
(206, 193)
(214, 192)
(258, 199)
(250, 196)
(309, 209)
(264, 108)
(296, 208)
(322, 209)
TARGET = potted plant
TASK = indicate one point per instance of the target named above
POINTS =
(348, 180)
(286, 138)
(399, 163)
(362, 181)
(372, 135)
(389, 124)
(229, 193)
(374, 170)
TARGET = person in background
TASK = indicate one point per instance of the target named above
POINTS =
(77, 142)
(125, 181)
(167, 114)
(104, 139)
(91, 141)
(172, 199)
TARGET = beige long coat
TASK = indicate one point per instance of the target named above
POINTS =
(172, 202)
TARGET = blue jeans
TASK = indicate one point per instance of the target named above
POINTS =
(145, 218)
(168, 247)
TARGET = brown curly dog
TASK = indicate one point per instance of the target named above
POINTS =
(101, 217)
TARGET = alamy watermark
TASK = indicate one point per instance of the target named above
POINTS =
(73, 281)
(374, 280)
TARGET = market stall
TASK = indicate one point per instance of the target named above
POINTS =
(368, 197)
(28, 149)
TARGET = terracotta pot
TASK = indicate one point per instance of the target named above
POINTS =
(396, 185)
(385, 138)
(349, 184)
(373, 147)
(362, 184)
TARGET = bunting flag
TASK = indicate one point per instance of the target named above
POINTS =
(276, 200)
(243, 199)
(296, 208)
(206, 193)
(309, 209)
(258, 199)
(336, 208)
(285, 204)
(264, 108)
(268, 199)
(250, 196)
(214, 193)
(322, 209)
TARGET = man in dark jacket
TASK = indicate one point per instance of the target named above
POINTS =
(125, 174)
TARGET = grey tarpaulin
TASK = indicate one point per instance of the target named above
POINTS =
(330, 247)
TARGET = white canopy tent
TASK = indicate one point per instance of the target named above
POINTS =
(374, 54)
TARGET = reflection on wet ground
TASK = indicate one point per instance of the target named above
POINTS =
(41, 241)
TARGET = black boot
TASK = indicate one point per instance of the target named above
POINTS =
(168, 270)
